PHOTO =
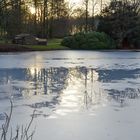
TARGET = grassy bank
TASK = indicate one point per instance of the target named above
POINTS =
(53, 44)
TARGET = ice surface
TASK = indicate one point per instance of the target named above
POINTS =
(78, 95)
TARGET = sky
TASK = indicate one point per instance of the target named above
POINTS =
(79, 3)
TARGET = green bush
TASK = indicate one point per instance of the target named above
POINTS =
(91, 40)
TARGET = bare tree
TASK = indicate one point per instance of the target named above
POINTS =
(86, 3)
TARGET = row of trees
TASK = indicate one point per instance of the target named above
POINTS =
(16, 16)
(52, 18)
(121, 20)
(56, 18)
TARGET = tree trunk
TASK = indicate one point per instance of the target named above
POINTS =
(86, 26)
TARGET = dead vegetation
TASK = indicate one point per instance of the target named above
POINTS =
(21, 132)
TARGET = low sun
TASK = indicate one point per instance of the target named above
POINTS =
(32, 10)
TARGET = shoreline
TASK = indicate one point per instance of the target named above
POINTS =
(27, 48)
(7, 48)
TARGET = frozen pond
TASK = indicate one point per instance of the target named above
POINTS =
(78, 95)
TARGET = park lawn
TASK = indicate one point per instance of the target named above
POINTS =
(53, 44)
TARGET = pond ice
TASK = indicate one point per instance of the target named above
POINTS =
(79, 95)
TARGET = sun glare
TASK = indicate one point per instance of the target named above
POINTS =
(32, 10)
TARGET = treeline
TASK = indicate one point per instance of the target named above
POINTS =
(16, 17)
(51, 18)
(56, 18)
(121, 20)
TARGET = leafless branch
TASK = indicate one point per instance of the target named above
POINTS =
(20, 134)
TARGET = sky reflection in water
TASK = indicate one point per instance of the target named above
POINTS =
(70, 83)
(66, 90)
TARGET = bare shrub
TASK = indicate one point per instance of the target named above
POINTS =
(21, 132)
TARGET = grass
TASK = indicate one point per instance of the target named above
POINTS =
(3, 41)
(53, 44)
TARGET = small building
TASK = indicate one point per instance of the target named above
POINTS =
(27, 39)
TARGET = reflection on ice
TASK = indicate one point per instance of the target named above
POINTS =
(93, 91)
(124, 95)
(69, 81)
(67, 90)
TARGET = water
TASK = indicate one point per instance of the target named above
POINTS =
(61, 84)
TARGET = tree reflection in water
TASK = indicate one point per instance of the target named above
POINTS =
(78, 87)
